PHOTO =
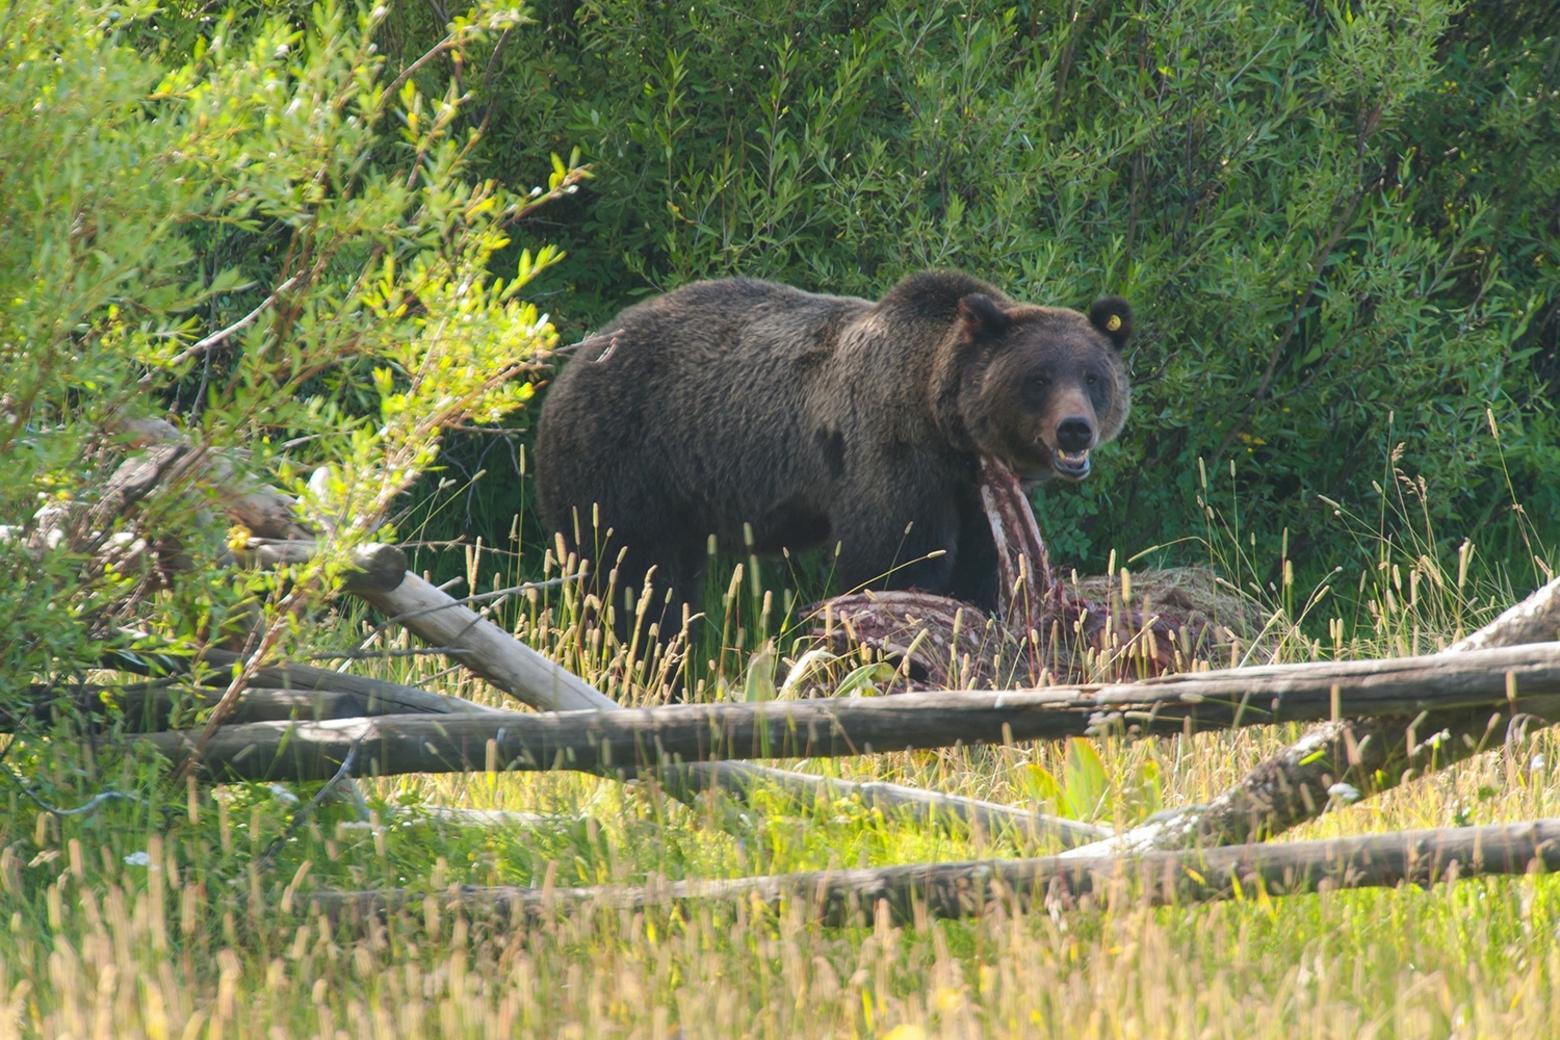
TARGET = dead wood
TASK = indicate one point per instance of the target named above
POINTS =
(910, 894)
(152, 707)
(1365, 756)
(515, 668)
(264, 511)
(167, 462)
(375, 567)
(489, 651)
(218, 664)
(1525, 678)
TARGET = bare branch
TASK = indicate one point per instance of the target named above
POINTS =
(221, 336)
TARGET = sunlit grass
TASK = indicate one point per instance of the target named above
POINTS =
(169, 919)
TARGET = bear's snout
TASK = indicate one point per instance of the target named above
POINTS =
(1074, 438)
(1075, 434)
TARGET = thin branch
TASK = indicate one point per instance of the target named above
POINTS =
(306, 813)
(221, 335)
(567, 186)
(251, 661)
(375, 655)
(411, 70)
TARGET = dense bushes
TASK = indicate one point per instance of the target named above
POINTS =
(1338, 222)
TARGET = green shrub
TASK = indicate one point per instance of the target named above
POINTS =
(284, 186)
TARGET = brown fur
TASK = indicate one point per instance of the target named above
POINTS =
(822, 420)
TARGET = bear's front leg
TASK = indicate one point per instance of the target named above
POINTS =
(975, 573)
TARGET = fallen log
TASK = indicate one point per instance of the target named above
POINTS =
(488, 650)
(1367, 756)
(263, 510)
(374, 566)
(1523, 678)
(149, 708)
(393, 698)
(909, 894)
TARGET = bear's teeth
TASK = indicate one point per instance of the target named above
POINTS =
(1068, 456)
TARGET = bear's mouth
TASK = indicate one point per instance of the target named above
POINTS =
(1074, 465)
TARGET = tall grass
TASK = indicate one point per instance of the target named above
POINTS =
(178, 915)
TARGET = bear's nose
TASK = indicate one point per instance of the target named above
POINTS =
(1074, 434)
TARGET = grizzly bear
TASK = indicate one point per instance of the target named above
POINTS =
(751, 410)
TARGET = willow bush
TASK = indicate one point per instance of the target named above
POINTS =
(268, 233)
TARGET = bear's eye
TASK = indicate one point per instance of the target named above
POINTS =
(1040, 381)
(1092, 380)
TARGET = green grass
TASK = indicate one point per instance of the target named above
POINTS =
(98, 947)
(169, 918)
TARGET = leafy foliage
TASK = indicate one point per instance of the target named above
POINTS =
(274, 236)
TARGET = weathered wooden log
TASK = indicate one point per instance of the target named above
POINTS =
(1535, 619)
(1365, 756)
(167, 461)
(265, 511)
(489, 651)
(909, 894)
(398, 697)
(743, 781)
(1525, 678)
(149, 708)
(375, 566)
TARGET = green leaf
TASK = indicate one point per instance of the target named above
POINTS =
(1086, 784)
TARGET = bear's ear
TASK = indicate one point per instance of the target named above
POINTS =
(979, 317)
(1112, 316)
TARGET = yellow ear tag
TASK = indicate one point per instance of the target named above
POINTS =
(1113, 323)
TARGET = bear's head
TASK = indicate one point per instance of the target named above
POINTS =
(1041, 387)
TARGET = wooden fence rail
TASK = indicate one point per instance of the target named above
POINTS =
(511, 666)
